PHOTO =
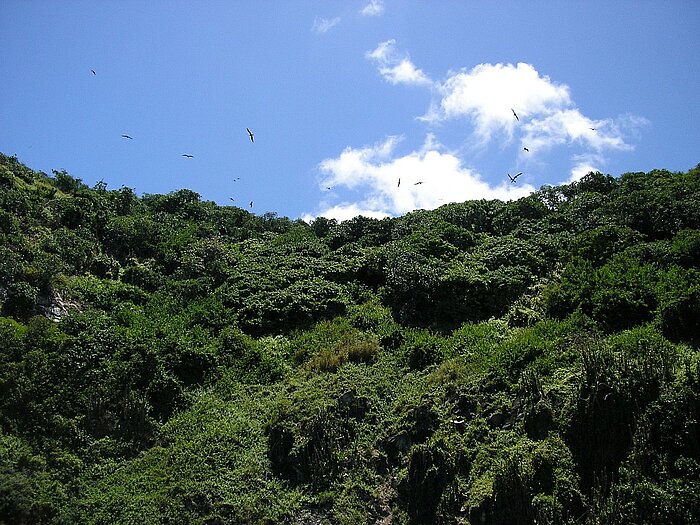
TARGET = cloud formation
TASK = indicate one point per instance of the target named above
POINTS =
(487, 96)
(393, 184)
(374, 8)
(563, 126)
(397, 68)
(323, 25)
(489, 93)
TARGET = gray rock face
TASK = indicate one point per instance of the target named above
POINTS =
(54, 307)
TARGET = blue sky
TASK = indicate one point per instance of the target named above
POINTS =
(347, 97)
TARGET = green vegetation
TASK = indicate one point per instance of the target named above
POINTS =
(167, 360)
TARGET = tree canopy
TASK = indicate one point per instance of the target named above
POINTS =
(164, 359)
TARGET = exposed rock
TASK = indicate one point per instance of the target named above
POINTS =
(417, 426)
(54, 307)
(496, 420)
(421, 490)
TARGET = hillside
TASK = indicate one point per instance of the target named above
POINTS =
(164, 359)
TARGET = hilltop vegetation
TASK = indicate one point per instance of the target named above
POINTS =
(167, 360)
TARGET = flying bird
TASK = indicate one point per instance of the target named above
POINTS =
(515, 114)
(527, 150)
(93, 72)
(592, 129)
(251, 204)
(417, 183)
(399, 184)
(250, 134)
(127, 137)
(512, 179)
(188, 156)
(232, 200)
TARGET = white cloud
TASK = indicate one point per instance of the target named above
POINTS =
(323, 25)
(396, 68)
(346, 211)
(350, 168)
(383, 51)
(486, 96)
(376, 171)
(581, 168)
(374, 8)
(566, 126)
(489, 93)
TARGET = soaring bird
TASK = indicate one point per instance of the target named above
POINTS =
(592, 129)
(512, 179)
(188, 156)
(417, 183)
(515, 114)
(127, 137)
(250, 134)
(527, 150)
(251, 204)
(399, 184)
(93, 72)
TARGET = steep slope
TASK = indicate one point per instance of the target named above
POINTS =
(165, 359)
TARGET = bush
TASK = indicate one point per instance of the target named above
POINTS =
(678, 313)
(20, 299)
(686, 247)
(245, 360)
(423, 349)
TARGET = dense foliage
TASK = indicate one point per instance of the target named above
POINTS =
(167, 360)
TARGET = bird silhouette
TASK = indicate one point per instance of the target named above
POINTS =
(592, 129)
(515, 114)
(250, 133)
(127, 137)
(93, 72)
(512, 179)
(188, 156)
(527, 150)
(417, 183)
(399, 184)
(251, 204)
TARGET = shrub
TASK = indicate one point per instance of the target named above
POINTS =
(423, 348)
(686, 247)
(20, 299)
